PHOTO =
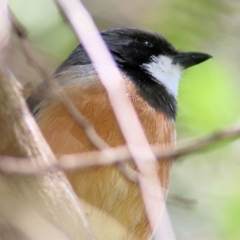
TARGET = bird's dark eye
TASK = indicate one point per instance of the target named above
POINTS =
(144, 42)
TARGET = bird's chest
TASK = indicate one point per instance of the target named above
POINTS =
(159, 128)
(105, 187)
(66, 136)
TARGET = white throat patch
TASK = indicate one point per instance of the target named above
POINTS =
(166, 73)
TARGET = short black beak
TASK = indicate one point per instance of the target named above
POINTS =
(189, 59)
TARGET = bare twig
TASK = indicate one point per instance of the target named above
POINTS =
(112, 155)
(77, 116)
(48, 199)
(137, 143)
(181, 201)
(92, 134)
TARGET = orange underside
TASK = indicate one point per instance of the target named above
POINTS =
(105, 187)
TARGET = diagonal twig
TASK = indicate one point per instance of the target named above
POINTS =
(76, 115)
(119, 154)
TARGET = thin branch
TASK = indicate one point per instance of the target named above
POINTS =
(90, 131)
(123, 154)
(33, 60)
(181, 201)
(77, 116)
(137, 143)
(21, 137)
(14, 165)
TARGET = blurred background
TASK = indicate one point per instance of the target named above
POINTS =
(208, 97)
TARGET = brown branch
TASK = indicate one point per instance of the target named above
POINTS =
(112, 155)
(122, 153)
(77, 116)
(47, 199)
(33, 60)
(181, 201)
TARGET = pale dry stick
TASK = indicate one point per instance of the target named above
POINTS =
(77, 116)
(122, 153)
(93, 136)
(119, 154)
(57, 90)
(181, 201)
(41, 206)
(128, 121)
(46, 200)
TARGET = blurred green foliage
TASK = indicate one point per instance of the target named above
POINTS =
(208, 95)
(208, 98)
(229, 217)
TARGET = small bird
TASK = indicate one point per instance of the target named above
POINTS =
(151, 68)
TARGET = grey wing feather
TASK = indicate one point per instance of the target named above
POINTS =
(81, 75)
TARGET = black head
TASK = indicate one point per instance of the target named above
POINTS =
(134, 47)
(129, 46)
(149, 60)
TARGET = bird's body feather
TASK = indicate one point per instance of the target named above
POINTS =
(151, 69)
(104, 189)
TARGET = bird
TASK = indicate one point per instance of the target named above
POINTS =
(151, 68)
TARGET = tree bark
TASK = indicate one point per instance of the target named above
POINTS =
(40, 206)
